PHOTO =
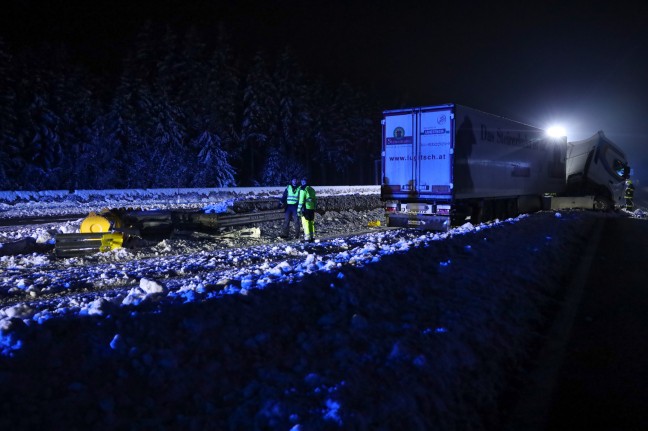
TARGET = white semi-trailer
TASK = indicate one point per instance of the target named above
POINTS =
(445, 164)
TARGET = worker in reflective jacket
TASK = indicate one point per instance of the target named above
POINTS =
(289, 200)
(306, 209)
(629, 196)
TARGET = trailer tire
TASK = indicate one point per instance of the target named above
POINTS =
(478, 212)
(602, 204)
(529, 203)
(502, 209)
(512, 208)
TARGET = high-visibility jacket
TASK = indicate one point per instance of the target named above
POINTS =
(291, 195)
(629, 192)
(307, 199)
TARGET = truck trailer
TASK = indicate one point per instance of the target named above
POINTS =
(447, 164)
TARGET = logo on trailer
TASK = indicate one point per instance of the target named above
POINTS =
(399, 138)
(441, 119)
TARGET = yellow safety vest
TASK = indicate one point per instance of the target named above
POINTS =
(292, 195)
(307, 199)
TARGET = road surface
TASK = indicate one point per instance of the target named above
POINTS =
(593, 374)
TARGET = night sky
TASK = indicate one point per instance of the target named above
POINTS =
(583, 65)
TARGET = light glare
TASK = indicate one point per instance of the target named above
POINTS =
(556, 131)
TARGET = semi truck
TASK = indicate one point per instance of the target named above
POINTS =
(598, 168)
(447, 164)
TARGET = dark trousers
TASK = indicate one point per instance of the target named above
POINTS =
(290, 214)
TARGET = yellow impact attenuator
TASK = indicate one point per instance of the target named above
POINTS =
(374, 223)
(111, 241)
(94, 224)
(97, 224)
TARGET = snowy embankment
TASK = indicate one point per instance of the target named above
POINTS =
(56, 202)
(386, 330)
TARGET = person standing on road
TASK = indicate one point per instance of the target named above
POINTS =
(290, 200)
(306, 209)
(629, 196)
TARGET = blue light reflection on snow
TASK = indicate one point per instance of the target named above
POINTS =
(337, 254)
(332, 411)
(9, 343)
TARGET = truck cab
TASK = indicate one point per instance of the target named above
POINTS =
(597, 167)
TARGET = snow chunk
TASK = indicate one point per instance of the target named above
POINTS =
(20, 311)
(280, 269)
(150, 286)
(247, 282)
(466, 227)
(148, 289)
(95, 308)
(220, 207)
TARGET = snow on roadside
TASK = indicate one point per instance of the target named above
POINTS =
(385, 330)
(61, 202)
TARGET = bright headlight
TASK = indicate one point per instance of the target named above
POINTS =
(556, 131)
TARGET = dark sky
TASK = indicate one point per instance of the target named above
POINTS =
(583, 64)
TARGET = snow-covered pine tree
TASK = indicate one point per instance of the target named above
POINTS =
(343, 133)
(323, 129)
(258, 124)
(279, 168)
(223, 93)
(97, 162)
(214, 169)
(361, 132)
(167, 151)
(294, 122)
(38, 134)
(137, 103)
(8, 149)
(191, 72)
(342, 146)
(75, 104)
(167, 72)
(44, 153)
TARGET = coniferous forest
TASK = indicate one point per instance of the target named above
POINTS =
(179, 110)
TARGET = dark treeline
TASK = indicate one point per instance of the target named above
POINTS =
(179, 111)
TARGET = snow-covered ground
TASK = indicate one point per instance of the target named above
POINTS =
(388, 329)
(61, 202)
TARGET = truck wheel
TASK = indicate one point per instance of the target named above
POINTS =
(477, 214)
(503, 209)
(511, 208)
(601, 204)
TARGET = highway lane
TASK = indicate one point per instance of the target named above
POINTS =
(592, 372)
(603, 382)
